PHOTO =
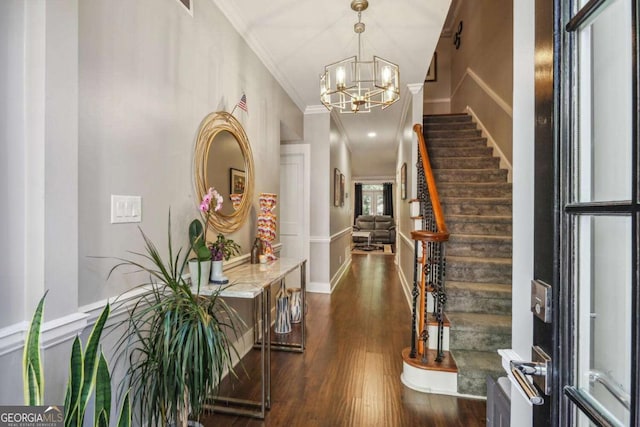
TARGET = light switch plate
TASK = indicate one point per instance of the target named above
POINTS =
(125, 209)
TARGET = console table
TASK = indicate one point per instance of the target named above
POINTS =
(254, 281)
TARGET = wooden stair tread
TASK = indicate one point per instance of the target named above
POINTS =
(433, 322)
(448, 364)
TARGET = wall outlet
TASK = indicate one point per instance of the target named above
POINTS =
(126, 209)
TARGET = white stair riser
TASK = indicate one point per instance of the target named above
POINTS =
(433, 338)
(433, 330)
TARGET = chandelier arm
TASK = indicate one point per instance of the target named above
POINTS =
(373, 83)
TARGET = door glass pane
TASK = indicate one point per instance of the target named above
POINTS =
(604, 311)
(372, 199)
(605, 105)
(366, 204)
(379, 204)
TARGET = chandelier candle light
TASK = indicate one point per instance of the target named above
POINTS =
(355, 86)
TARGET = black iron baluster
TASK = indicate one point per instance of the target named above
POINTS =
(415, 294)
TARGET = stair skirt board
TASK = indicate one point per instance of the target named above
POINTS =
(426, 381)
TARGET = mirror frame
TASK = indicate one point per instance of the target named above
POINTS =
(210, 126)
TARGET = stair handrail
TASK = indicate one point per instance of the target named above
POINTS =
(442, 234)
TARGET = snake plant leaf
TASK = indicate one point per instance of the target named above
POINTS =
(32, 373)
(103, 393)
(74, 385)
(34, 389)
(102, 419)
(90, 362)
(125, 412)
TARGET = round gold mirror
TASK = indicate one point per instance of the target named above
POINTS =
(223, 160)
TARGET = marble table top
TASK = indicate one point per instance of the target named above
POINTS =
(249, 280)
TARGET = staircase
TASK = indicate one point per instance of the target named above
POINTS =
(476, 201)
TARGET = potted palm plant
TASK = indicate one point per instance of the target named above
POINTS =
(178, 343)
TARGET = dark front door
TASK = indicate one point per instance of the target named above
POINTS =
(587, 210)
(545, 215)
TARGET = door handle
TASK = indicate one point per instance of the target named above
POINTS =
(540, 371)
(520, 370)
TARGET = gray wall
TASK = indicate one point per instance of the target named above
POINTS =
(482, 68)
(437, 95)
(340, 216)
(408, 153)
(316, 134)
(105, 97)
(12, 155)
(149, 73)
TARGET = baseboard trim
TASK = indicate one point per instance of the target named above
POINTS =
(319, 287)
(335, 280)
(406, 288)
(504, 162)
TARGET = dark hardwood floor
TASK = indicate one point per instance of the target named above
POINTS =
(350, 372)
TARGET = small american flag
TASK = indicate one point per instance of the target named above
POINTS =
(243, 103)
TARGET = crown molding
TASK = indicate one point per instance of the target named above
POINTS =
(230, 12)
(316, 109)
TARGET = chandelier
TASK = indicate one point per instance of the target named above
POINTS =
(355, 86)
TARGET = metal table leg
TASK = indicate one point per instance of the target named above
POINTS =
(250, 408)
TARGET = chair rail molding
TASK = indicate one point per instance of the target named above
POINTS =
(486, 88)
(340, 234)
(54, 332)
(437, 100)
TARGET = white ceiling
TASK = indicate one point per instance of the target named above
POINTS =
(296, 38)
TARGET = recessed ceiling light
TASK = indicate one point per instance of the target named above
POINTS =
(371, 134)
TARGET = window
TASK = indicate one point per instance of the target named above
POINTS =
(372, 200)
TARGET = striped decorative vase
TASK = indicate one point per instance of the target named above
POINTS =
(295, 302)
(283, 312)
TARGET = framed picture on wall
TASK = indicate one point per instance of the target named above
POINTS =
(237, 179)
(336, 187)
(342, 179)
(432, 73)
(403, 181)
